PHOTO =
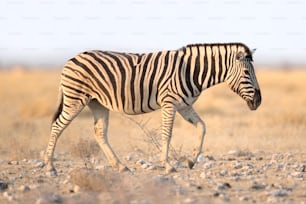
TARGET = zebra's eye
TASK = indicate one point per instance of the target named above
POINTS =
(247, 72)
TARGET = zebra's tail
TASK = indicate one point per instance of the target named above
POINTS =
(59, 107)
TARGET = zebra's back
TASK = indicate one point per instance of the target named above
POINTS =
(123, 82)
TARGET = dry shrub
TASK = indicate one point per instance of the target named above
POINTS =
(86, 149)
(152, 138)
(92, 180)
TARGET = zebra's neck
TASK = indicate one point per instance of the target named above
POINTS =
(207, 64)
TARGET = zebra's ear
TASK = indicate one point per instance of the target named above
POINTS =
(253, 50)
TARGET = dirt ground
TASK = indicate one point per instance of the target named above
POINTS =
(248, 156)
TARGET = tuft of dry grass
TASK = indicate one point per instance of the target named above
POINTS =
(85, 149)
(92, 180)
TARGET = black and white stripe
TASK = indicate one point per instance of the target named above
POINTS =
(141, 83)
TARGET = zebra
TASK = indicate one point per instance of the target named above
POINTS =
(130, 83)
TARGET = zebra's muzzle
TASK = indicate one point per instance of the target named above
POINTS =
(253, 104)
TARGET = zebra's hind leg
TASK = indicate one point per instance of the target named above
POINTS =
(101, 118)
(68, 109)
(191, 116)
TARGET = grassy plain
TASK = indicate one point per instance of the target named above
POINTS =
(29, 97)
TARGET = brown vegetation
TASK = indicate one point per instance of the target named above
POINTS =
(28, 100)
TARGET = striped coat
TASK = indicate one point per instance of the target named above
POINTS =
(140, 83)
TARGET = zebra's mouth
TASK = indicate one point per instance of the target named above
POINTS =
(255, 103)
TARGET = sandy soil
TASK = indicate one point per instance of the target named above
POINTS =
(248, 157)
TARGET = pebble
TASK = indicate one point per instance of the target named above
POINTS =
(13, 162)
(24, 188)
(297, 174)
(190, 200)
(258, 186)
(279, 193)
(76, 189)
(151, 167)
(201, 159)
(3, 185)
(140, 162)
(39, 164)
(203, 175)
(223, 172)
(245, 198)
(179, 190)
(237, 165)
(145, 165)
(224, 186)
(128, 158)
(209, 165)
(161, 179)
(222, 195)
(9, 196)
(138, 202)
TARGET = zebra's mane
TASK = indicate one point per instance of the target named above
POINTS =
(238, 44)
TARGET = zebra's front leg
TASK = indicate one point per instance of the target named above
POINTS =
(168, 115)
(192, 117)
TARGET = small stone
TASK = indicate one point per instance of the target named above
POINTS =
(233, 152)
(140, 162)
(101, 167)
(279, 193)
(128, 158)
(144, 202)
(56, 198)
(9, 196)
(224, 197)
(209, 165)
(3, 185)
(224, 186)
(258, 186)
(13, 162)
(237, 165)
(245, 198)
(76, 189)
(41, 201)
(190, 200)
(161, 179)
(145, 165)
(24, 188)
(179, 190)
(39, 164)
(297, 174)
(151, 167)
(204, 176)
(201, 159)
(223, 172)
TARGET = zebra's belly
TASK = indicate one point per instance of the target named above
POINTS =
(130, 107)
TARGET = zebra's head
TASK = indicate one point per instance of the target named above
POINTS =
(241, 77)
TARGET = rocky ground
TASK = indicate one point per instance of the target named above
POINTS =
(235, 177)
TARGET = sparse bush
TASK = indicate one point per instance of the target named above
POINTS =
(92, 180)
(152, 138)
(85, 150)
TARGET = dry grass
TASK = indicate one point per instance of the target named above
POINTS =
(28, 99)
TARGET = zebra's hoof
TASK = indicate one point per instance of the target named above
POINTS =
(190, 163)
(51, 173)
(170, 169)
(124, 169)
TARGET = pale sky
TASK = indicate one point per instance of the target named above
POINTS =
(49, 32)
